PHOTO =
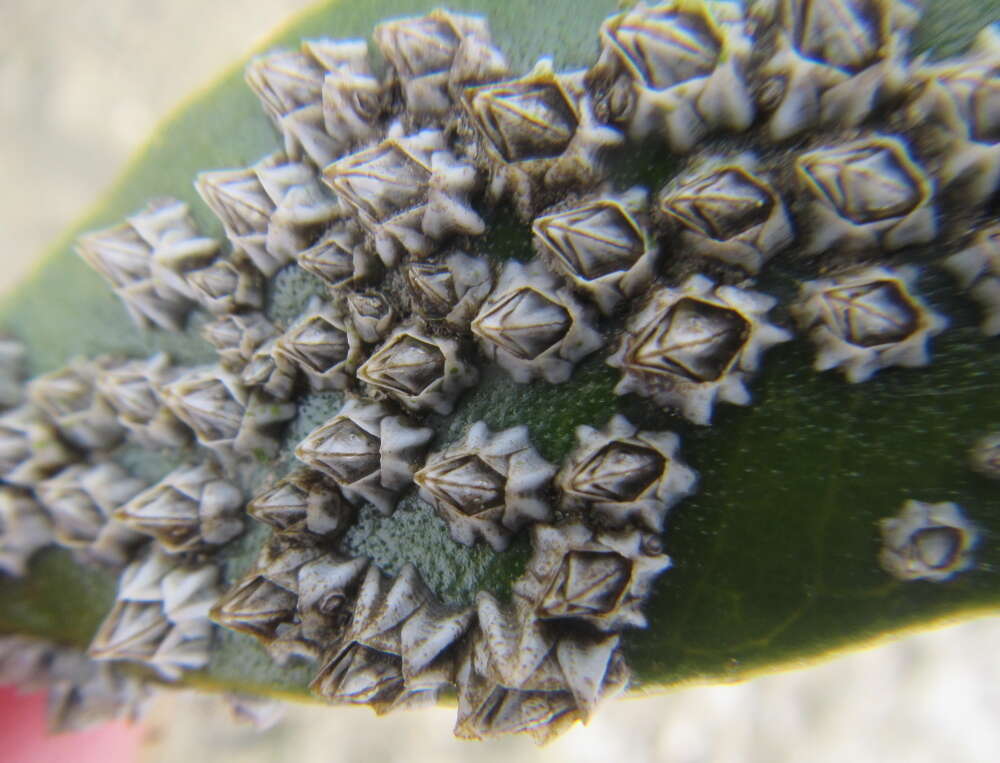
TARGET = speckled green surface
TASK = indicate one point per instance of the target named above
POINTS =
(775, 558)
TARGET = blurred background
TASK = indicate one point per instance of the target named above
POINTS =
(83, 84)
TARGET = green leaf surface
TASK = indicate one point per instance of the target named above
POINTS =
(776, 556)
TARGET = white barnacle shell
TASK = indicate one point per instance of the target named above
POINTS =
(539, 133)
(832, 62)
(285, 81)
(409, 192)
(866, 194)
(369, 452)
(687, 348)
(450, 289)
(24, 529)
(304, 501)
(984, 456)
(30, 448)
(867, 319)
(81, 499)
(433, 55)
(236, 337)
(133, 631)
(11, 372)
(420, 371)
(69, 397)
(353, 98)
(677, 68)
(602, 246)
(324, 345)
(132, 389)
(339, 257)
(977, 268)
(190, 508)
(927, 541)
(728, 211)
(487, 485)
(371, 315)
(270, 371)
(227, 285)
(622, 473)
(533, 327)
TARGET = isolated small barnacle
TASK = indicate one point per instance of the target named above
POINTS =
(190, 508)
(449, 289)
(132, 390)
(420, 371)
(539, 133)
(24, 529)
(371, 314)
(324, 345)
(728, 211)
(984, 456)
(236, 337)
(687, 348)
(304, 501)
(487, 485)
(676, 68)
(30, 448)
(11, 372)
(409, 192)
(533, 327)
(867, 319)
(622, 473)
(371, 453)
(927, 541)
(340, 256)
(227, 285)
(866, 194)
(832, 62)
(977, 268)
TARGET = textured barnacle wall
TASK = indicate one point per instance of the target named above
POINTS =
(775, 557)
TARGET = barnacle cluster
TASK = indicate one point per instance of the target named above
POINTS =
(380, 194)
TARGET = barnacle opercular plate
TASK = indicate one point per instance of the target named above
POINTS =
(324, 345)
(927, 541)
(450, 289)
(304, 501)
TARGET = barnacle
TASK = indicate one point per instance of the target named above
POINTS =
(371, 315)
(24, 529)
(304, 501)
(977, 268)
(70, 399)
(985, 456)
(927, 541)
(339, 257)
(237, 336)
(133, 390)
(450, 289)
(30, 448)
(323, 345)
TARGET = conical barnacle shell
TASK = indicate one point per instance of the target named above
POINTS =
(832, 63)
(353, 98)
(420, 371)
(539, 133)
(602, 246)
(70, 398)
(621, 474)
(304, 501)
(927, 541)
(30, 448)
(867, 319)
(487, 485)
(236, 337)
(326, 589)
(339, 257)
(676, 68)
(190, 508)
(324, 345)
(602, 579)
(285, 81)
(533, 328)
(24, 529)
(371, 315)
(227, 285)
(450, 289)
(727, 210)
(270, 371)
(369, 452)
(133, 630)
(865, 194)
(433, 55)
(11, 373)
(409, 192)
(977, 268)
(688, 347)
(132, 390)
(81, 498)
(984, 456)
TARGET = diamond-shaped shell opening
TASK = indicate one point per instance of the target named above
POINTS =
(872, 314)
(619, 472)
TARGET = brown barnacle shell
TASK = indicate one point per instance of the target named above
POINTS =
(420, 371)
(369, 452)
(227, 285)
(927, 541)
(69, 397)
(132, 389)
(324, 345)
(432, 56)
(24, 529)
(867, 194)
(487, 485)
(236, 337)
(270, 371)
(190, 508)
(601, 245)
(408, 192)
(11, 372)
(538, 133)
(688, 347)
(533, 327)
(677, 68)
(621, 473)
(81, 499)
(304, 501)
(977, 268)
(30, 448)
(340, 257)
(371, 314)
(728, 211)
(867, 319)
(832, 62)
(449, 289)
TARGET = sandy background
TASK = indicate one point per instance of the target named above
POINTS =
(82, 84)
